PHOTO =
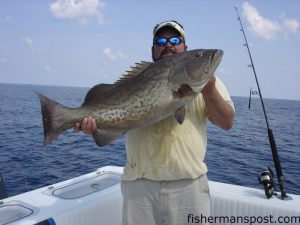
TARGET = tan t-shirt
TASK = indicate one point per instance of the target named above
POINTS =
(169, 151)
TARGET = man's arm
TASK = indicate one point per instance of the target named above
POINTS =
(219, 111)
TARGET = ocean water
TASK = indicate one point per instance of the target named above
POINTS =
(234, 156)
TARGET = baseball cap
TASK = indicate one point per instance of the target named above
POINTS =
(171, 23)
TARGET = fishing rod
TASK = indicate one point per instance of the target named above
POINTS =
(276, 160)
(251, 93)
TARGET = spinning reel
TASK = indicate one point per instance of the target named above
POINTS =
(266, 178)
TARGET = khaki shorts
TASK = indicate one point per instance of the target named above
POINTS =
(165, 202)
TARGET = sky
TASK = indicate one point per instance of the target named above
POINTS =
(86, 42)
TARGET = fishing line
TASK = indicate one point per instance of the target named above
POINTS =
(24, 175)
(18, 166)
(270, 132)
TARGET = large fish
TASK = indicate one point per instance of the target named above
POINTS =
(147, 94)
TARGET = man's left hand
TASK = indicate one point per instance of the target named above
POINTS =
(210, 85)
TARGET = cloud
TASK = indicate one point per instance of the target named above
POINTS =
(3, 60)
(261, 26)
(28, 41)
(7, 19)
(223, 71)
(291, 25)
(267, 28)
(80, 10)
(48, 68)
(114, 55)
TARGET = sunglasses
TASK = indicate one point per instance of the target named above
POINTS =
(162, 41)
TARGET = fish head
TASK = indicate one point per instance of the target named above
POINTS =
(193, 68)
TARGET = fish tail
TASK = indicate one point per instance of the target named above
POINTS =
(53, 118)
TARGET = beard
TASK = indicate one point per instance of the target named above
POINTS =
(167, 51)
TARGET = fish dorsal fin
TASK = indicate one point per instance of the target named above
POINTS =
(97, 93)
(134, 70)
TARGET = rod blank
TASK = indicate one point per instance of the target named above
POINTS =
(270, 132)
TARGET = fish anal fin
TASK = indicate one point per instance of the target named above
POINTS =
(180, 114)
(103, 137)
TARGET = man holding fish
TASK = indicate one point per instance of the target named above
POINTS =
(165, 179)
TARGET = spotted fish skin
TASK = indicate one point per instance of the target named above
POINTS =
(146, 94)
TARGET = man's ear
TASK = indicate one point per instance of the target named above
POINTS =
(152, 49)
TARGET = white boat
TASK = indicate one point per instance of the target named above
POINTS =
(95, 199)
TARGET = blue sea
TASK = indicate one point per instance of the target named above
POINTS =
(234, 156)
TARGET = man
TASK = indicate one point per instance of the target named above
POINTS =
(165, 179)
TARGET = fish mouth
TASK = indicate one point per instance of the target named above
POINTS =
(217, 56)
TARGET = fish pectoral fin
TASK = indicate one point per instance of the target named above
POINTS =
(180, 114)
(103, 137)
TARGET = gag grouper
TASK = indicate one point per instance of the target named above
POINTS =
(148, 93)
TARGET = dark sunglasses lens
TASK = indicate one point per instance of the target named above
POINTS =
(175, 41)
(161, 41)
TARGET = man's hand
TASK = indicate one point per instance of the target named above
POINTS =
(88, 126)
(210, 86)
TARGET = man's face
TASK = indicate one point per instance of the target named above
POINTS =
(159, 52)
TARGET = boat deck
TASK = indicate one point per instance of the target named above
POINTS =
(95, 198)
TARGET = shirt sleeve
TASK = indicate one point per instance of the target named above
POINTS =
(223, 92)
